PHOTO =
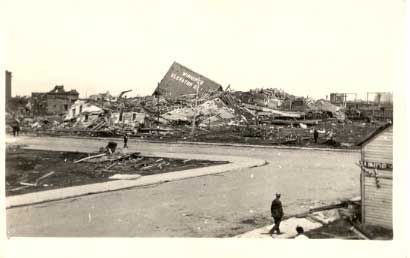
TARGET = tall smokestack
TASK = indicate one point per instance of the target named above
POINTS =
(8, 86)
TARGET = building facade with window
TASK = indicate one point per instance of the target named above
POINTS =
(55, 102)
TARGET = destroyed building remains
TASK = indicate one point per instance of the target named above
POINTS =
(55, 102)
(261, 115)
(181, 81)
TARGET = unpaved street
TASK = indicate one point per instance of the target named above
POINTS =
(209, 206)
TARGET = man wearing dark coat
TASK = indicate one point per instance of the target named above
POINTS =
(315, 135)
(277, 214)
(125, 141)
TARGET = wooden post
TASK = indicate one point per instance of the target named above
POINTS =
(196, 105)
(157, 95)
(362, 188)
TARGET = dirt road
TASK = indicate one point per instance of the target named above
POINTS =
(210, 206)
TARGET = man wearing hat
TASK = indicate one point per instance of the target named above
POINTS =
(277, 213)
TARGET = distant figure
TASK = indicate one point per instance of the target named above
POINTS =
(277, 214)
(16, 127)
(301, 233)
(125, 141)
(315, 135)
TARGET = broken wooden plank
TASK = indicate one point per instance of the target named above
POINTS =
(148, 167)
(43, 177)
(329, 207)
(90, 157)
(359, 233)
(19, 188)
(112, 165)
(137, 166)
(27, 184)
(138, 159)
(134, 154)
(120, 158)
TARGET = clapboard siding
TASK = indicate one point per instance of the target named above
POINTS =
(371, 182)
(378, 202)
(377, 190)
(371, 195)
(372, 198)
(381, 173)
(383, 188)
(377, 222)
(379, 210)
(380, 148)
(378, 214)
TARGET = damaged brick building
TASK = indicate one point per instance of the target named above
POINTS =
(55, 102)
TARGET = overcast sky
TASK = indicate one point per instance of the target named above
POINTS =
(307, 48)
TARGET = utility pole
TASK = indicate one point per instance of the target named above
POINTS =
(196, 105)
(157, 95)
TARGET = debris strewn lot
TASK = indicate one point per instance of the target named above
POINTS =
(38, 170)
(259, 116)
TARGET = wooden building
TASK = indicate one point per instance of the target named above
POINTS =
(376, 178)
(181, 81)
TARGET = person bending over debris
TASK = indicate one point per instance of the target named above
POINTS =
(277, 214)
(111, 146)
(301, 233)
(125, 141)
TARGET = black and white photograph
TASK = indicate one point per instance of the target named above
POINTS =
(257, 120)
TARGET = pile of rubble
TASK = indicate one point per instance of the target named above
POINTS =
(186, 103)
(29, 170)
(269, 114)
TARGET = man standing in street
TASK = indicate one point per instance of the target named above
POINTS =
(277, 214)
(315, 135)
(15, 125)
(125, 140)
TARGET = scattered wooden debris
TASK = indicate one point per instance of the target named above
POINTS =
(138, 159)
(44, 176)
(36, 183)
(329, 207)
(138, 166)
(148, 167)
(95, 168)
(20, 188)
(126, 156)
(112, 165)
(358, 233)
(90, 157)
(28, 184)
